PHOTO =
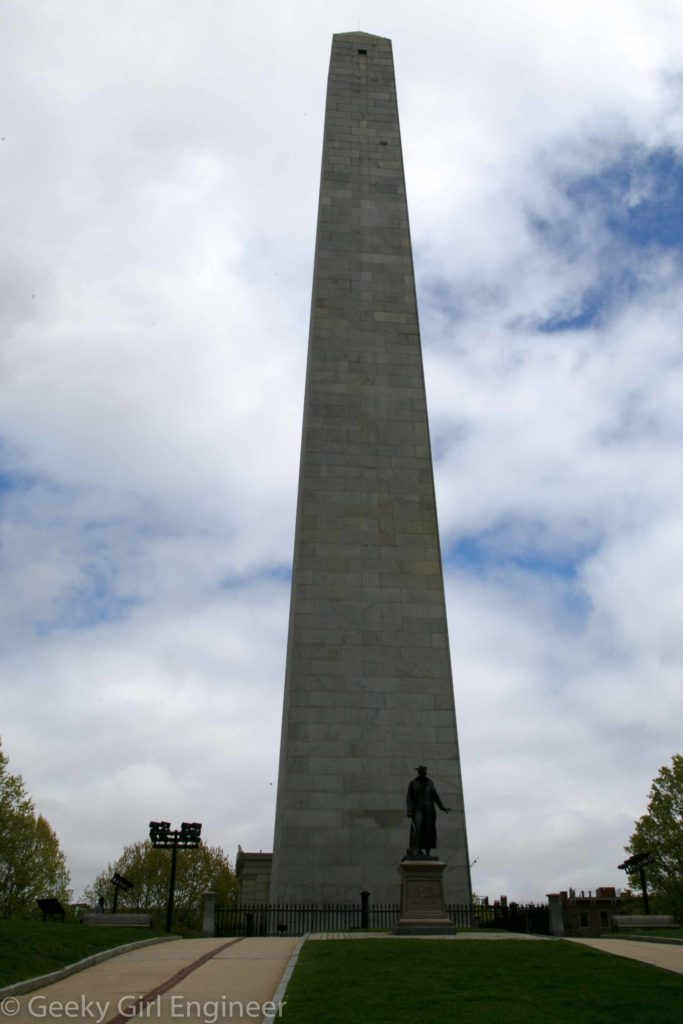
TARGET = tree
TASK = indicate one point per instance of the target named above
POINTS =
(660, 831)
(200, 870)
(32, 864)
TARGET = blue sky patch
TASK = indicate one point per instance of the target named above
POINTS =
(455, 300)
(263, 574)
(11, 481)
(638, 202)
(514, 544)
(507, 551)
(594, 306)
(634, 208)
(640, 196)
(91, 603)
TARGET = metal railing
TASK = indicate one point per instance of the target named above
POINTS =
(260, 919)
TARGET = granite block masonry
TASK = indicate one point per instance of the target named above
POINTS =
(368, 687)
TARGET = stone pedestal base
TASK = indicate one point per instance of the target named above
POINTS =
(423, 909)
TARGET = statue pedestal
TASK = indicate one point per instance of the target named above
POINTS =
(423, 908)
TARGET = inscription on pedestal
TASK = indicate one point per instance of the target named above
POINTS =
(424, 896)
(423, 911)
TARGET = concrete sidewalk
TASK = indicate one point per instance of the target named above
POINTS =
(458, 937)
(657, 954)
(189, 980)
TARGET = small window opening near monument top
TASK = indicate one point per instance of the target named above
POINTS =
(363, 53)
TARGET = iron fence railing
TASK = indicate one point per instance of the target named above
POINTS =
(299, 919)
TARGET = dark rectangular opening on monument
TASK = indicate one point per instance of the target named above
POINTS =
(363, 53)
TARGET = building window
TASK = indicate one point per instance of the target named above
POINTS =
(583, 920)
(363, 53)
(604, 919)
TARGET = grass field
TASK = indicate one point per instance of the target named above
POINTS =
(31, 948)
(410, 982)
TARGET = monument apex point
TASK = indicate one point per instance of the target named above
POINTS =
(360, 35)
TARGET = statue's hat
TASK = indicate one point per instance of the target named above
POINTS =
(420, 768)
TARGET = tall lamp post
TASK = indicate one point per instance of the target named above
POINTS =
(187, 837)
(638, 862)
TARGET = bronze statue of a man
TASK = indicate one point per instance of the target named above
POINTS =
(422, 800)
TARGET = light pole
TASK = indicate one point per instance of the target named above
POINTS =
(119, 882)
(164, 838)
(638, 862)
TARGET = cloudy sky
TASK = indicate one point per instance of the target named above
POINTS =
(160, 163)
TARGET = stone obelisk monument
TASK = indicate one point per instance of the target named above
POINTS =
(368, 690)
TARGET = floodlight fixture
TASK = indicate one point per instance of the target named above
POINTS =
(638, 862)
(163, 837)
(119, 883)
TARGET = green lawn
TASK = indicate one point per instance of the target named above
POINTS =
(384, 981)
(31, 948)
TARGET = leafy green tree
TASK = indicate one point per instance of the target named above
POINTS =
(660, 831)
(32, 864)
(205, 868)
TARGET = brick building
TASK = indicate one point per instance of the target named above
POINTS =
(587, 915)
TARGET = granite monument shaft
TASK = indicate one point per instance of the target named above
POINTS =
(368, 687)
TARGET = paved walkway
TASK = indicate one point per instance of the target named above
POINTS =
(659, 954)
(213, 981)
(216, 981)
(475, 936)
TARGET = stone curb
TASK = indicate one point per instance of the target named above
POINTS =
(284, 981)
(20, 987)
(652, 938)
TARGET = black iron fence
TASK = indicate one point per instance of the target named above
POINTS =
(299, 919)
(529, 918)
